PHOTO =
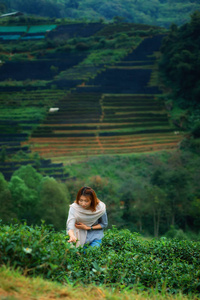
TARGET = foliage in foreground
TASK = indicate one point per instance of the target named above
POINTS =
(123, 261)
(14, 286)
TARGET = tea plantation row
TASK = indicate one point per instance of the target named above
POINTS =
(123, 260)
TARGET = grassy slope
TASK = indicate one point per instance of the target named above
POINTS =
(14, 286)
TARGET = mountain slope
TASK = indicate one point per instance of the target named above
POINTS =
(97, 76)
(114, 113)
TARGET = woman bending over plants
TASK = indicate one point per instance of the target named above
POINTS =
(86, 219)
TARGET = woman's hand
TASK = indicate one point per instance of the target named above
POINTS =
(82, 226)
(72, 238)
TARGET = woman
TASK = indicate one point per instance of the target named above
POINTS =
(87, 218)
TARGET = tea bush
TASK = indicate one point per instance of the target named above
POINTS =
(124, 259)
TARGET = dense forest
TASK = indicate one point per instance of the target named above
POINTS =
(156, 12)
(179, 69)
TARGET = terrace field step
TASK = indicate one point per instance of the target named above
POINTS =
(45, 167)
(115, 112)
(98, 126)
(116, 150)
(123, 138)
(103, 132)
(104, 146)
(56, 147)
(40, 68)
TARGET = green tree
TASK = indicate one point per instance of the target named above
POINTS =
(54, 69)
(72, 4)
(156, 206)
(195, 212)
(174, 182)
(29, 175)
(2, 8)
(118, 19)
(180, 63)
(24, 199)
(53, 202)
(7, 211)
(133, 193)
(3, 154)
(106, 191)
(3, 183)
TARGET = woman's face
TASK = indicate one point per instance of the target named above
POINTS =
(85, 202)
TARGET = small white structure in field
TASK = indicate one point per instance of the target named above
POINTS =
(12, 14)
(176, 132)
(53, 109)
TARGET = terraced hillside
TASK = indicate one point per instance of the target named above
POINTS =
(117, 112)
(93, 124)
(105, 105)
(21, 112)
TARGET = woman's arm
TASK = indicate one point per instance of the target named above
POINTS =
(102, 223)
(72, 237)
(85, 227)
(71, 226)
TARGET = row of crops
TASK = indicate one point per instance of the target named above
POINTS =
(42, 69)
(116, 112)
(20, 113)
(44, 166)
(130, 76)
(87, 124)
(24, 105)
(122, 81)
(60, 149)
(116, 28)
(76, 30)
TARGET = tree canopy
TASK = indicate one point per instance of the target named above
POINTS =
(180, 62)
(180, 72)
(155, 12)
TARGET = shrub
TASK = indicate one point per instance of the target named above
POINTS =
(82, 46)
(176, 234)
(123, 260)
(196, 130)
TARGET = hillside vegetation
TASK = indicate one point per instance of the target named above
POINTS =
(124, 261)
(155, 194)
(89, 97)
(179, 69)
(104, 83)
(93, 67)
(157, 12)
